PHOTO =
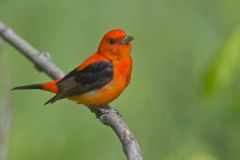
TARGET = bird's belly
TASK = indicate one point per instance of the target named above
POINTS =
(101, 96)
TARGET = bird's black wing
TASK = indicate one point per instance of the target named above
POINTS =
(92, 77)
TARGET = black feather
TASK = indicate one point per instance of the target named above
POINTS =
(33, 86)
(52, 100)
(92, 77)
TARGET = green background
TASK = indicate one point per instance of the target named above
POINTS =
(183, 101)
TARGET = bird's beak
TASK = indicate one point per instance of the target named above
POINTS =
(126, 39)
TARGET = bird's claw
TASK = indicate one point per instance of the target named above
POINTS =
(102, 111)
(107, 110)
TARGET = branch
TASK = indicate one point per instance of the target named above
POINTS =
(107, 116)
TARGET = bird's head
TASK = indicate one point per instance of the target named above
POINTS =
(115, 44)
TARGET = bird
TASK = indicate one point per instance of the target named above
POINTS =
(100, 79)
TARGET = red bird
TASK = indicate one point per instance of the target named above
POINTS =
(100, 79)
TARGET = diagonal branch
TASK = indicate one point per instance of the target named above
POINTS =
(107, 116)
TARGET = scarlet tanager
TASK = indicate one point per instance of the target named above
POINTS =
(100, 79)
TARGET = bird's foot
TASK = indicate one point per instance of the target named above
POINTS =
(101, 111)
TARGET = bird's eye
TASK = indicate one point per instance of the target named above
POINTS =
(112, 41)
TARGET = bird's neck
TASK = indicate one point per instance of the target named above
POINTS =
(116, 56)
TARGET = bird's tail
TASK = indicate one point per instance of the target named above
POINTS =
(33, 86)
(49, 86)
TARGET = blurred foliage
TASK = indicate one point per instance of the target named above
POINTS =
(224, 67)
(177, 43)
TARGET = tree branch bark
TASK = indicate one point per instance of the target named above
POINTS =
(108, 116)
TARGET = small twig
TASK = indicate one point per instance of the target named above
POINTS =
(108, 116)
